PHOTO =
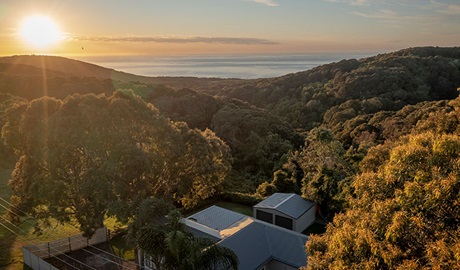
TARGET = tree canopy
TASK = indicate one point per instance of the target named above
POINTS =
(85, 154)
(372, 141)
(404, 215)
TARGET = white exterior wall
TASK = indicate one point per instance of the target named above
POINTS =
(305, 220)
(298, 225)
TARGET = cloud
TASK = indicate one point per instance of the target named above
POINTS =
(384, 14)
(359, 2)
(171, 39)
(351, 2)
(398, 19)
(451, 10)
(269, 3)
(443, 8)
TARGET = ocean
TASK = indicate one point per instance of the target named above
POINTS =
(236, 66)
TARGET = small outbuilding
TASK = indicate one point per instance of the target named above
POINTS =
(287, 210)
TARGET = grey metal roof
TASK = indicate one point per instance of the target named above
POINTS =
(216, 218)
(287, 203)
(199, 233)
(287, 246)
(258, 242)
(250, 245)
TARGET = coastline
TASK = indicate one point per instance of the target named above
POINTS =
(233, 66)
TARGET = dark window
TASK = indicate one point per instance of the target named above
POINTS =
(264, 216)
(283, 222)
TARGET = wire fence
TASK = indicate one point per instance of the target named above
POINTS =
(34, 255)
(100, 257)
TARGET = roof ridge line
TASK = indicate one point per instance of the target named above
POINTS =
(283, 201)
(268, 240)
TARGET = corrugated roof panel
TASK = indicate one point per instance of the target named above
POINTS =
(287, 247)
(274, 200)
(295, 206)
(289, 204)
(250, 245)
(216, 218)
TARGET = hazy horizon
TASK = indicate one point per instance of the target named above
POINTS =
(218, 66)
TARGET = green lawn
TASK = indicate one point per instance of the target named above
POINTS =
(11, 243)
(236, 207)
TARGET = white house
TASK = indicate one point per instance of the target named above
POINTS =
(286, 210)
(258, 245)
(269, 241)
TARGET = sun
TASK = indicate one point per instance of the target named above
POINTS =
(40, 31)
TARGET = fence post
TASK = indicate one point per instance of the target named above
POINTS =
(70, 244)
(49, 251)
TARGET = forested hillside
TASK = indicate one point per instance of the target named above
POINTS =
(263, 120)
(32, 76)
(402, 207)
(259, 143)
(374, 142)
(334, 93)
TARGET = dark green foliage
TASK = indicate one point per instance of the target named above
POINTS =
(242, 198)
(344, 90)
(31, 87)
(85, 155)
(7, 102)
(283, 181)
(170, 246)
(404, 214)
(321, 169)
(266, 189)
(352, 97)
(196, 109)
(259, 141)
(351, 113)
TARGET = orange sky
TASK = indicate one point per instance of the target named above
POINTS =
(184, 27)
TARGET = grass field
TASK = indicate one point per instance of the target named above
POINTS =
(17, 235)
(236, 207)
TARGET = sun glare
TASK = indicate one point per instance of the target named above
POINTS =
(40, 31)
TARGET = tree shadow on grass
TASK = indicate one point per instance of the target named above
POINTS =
(10, 250)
